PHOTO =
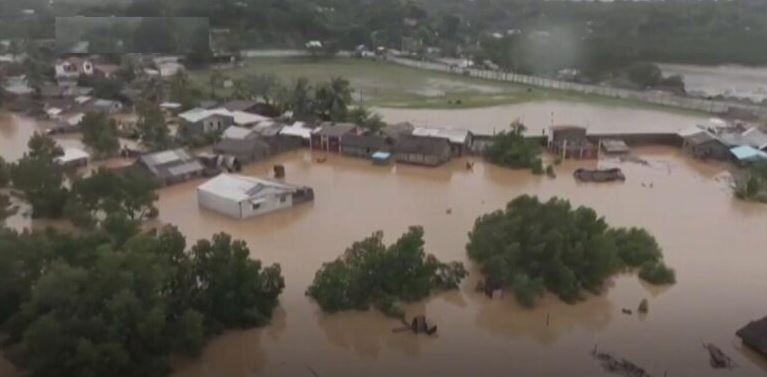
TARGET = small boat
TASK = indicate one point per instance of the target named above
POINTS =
(599, 175)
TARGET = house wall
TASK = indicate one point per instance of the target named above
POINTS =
(273, 203)
(422, 159)
(711, 149)
(357, 151)
(218, 204)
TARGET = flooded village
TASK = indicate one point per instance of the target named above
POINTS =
(714, 241)
(300, 171)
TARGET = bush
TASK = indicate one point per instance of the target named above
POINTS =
(372, 274)
(656, 272)
(532, 245)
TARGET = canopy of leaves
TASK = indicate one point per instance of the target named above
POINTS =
(532, 245)
(100, 133)
(372, 274)
(512, 150)
(104, 192)
(85, 305)
(151, 126)
(39, 178)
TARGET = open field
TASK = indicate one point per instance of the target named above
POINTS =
(382, 84)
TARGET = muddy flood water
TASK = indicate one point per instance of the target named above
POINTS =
(537, 116)
(715, 243)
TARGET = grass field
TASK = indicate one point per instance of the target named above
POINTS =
(384, 84)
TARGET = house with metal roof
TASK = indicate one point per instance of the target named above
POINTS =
(460, 140)
(422, 150)
(171, 166)
(745, 154)
(363, 145)
(200, 121)
(244, 197)
(243, 144)
(703, 143)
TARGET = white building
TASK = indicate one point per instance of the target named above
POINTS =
(73, 157)
(244, 197)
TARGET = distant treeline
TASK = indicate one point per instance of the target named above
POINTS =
(518, 34)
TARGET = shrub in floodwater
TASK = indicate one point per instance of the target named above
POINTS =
(656, 272)
(371, 274)
(531, 246)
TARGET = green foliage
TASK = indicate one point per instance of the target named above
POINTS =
(39, 178)
(151, 126)
(656, 272)
(644, 307)
(752, 183)
(5, 174)
(103, 193)
(100, 133)
(531, 245)
(82, 305)
(645, 75)
(366, 119)
(183, 92)
(332, 100)
(510, 149)
(371, 274)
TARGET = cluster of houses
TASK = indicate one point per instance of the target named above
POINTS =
(724, 142)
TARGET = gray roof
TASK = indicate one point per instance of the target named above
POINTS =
(364, 141)
(241, 146)
(170, 163)
(422, 145)
(335, 130)
(239, 105)
(700, 138)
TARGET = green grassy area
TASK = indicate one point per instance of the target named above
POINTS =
(383, 84)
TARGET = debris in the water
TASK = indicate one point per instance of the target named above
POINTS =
(617, 365)
(449, 211)
(279, 171)
(626, 311)
(599, 175)
(469, 166)
(418, 326)
(322, 159)
(717, 357)
(643, 306)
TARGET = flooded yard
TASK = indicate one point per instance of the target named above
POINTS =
(715, 243)
(541, 114)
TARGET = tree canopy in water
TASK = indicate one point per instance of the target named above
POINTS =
(532, 246)
(371, 274)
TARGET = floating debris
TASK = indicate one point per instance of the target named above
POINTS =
(634, 159)
(449, 211)
(619, 366)
(643, 306)
(717, 357)
(626, 311)
(418, 325)
(599, 175)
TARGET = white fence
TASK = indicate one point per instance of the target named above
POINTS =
(656, 98)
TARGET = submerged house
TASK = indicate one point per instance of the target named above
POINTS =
(297, 132)
(363, 145)
(243, 197)
(422, 150)
(754, 335)
(571, 142)
(73, 157)
(328, 136)
(171, 166)
(199, 121)
(460, 140)
(702, 143)
(243, 144)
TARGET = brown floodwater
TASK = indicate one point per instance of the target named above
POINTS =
(715, 243)
(541, 114)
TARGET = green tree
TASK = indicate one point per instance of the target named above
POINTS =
(511, 149)
(100, 133)
(151, 126)
(532, 245)
(40, 178)
(365, 119)
(645, 75)
(332, 100)
(301, 99)
(372, 274)
(231, 289)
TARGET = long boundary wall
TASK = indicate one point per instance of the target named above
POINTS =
(656, 98)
